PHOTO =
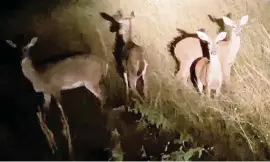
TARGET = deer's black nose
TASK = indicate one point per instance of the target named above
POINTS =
(213, 53)
(24, 50)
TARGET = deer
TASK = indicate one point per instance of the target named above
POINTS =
(208, 72)
(51, 79)
(73, 72)
(13, 60)
(130, 61)
(188, 49)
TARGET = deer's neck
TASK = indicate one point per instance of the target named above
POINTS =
(27, 64)
(234, 45)
(118, 46)
(214, 64)
(128, 36)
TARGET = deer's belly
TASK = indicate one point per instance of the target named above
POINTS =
(73, 85)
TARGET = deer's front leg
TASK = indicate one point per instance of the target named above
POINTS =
(227, 74)
(64, 120)
(133, 83)
(47, 132)
(200, 86)
(217, 92)
(125, 75)
(126, 83)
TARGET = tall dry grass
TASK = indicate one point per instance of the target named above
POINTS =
(237, 124)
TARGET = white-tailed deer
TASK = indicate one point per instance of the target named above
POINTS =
(209, 72)
(190, 48)
(229, 49)
(131, 64)
(12, 59)
(73, 72)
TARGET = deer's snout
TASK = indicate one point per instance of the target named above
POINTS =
(213, 52)
(239, 33)
(24, 50)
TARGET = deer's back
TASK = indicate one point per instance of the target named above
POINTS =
(71, 70)
(188, 49)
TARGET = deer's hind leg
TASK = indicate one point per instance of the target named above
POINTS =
(200, 86)
(145, 81)
(126, 83)
(183, 73)
(133, 82)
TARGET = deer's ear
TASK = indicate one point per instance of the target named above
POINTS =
(244, 20)
(221, 36)
(9, 42)
(31, 43)
(203, 36)
(107, 17)
(227, 21)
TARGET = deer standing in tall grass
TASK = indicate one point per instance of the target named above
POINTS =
(190, 48)
(73, 72)
(12, 60)
(209, 72)
(129, 56)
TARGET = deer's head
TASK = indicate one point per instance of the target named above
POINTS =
(236, 25)
(118, 22)
(212, 43)
(26, 48)
(20, 45)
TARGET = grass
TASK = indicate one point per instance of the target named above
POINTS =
(236, 125)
